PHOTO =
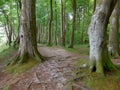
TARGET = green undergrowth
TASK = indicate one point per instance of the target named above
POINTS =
(94, 81)
(79, 49)
(21, 68)
(109, 82)
(3, 46)
(6, 53)
(6, 88)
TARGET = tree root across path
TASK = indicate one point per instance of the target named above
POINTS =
(20, 59)
(52, 74)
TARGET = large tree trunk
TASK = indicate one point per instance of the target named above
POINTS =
(99, 57)
(113, 37)
(73, 24)
(28, 38)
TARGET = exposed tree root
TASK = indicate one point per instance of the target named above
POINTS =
(20, 59)
(28, 87)
(106, 66)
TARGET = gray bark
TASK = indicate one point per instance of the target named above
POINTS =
(99, 57)
(114, 26)
(28, 34)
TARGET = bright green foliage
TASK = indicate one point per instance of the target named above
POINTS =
(83, 17)
(84, 13)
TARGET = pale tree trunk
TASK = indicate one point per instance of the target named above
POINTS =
(73, 24)
(28, 34)
(99, 57)
(113, 37)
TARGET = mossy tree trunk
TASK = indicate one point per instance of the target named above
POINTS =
(99, 57)
(113, 37)
(28, 36)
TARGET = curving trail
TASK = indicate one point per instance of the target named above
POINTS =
(53, 74)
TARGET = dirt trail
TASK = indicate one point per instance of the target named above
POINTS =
(53, 74)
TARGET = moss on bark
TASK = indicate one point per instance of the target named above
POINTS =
(20, 59)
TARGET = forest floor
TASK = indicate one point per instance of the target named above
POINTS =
(58, 72)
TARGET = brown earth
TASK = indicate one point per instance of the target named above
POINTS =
(53, 74)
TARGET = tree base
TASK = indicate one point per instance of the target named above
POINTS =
(18, 59)
(100, 67)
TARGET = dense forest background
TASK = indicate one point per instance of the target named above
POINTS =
(58, 19)
(59, 45)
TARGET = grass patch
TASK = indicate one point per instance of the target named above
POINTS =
(95, 81)
(108, 82)
(79, 49)
(20, 68)
(3, 46)
(6, 54)
(6, 88)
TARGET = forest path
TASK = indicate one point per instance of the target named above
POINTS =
(53, 74)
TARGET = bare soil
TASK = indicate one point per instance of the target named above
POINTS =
(53, 74)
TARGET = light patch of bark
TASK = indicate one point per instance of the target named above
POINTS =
(113, 37)
(98, 37)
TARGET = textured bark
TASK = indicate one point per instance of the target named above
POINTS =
(113, 37)
(73, 24)
(28, 38)
(99, 57)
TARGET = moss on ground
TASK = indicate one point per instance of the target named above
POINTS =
(6, 54)
(20, 68)
(79, 49)
(111, 80)
(94, 81)
(6, 88)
